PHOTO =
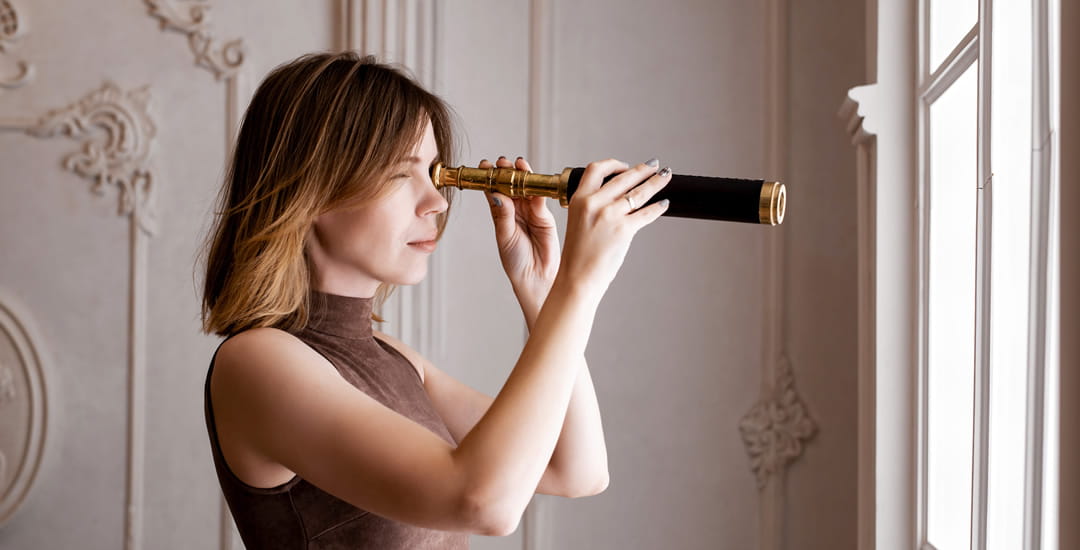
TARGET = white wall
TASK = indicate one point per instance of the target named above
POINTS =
(677, 348)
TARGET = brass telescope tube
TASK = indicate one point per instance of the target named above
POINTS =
(700, 197)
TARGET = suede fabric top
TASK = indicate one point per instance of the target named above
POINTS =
(297, 514)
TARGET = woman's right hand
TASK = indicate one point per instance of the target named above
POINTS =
(600, 223)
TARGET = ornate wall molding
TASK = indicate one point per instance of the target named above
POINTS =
(117, 155)
(11, 27)
(24, 405)
(192, 17)
(224, 61)
(775, 428)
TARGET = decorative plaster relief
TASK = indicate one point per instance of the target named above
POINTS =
(9, 30)
(7, 395)
(23, 408)
(776, 426)
(191, 17)
(119, 156)
(7, 386)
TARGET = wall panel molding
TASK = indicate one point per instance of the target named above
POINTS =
(120, 159)
(537, 522)
(775, 427)
(225, 61)
(404, 33)
(865, 143)
(881, 121)
(24, 402)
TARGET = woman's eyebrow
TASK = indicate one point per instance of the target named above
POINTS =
(415, 159)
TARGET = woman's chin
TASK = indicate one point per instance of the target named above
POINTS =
(413, 278)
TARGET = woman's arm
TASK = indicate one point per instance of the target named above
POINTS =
(276, 400)
(578, 466)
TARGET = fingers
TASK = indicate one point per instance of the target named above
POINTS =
(522, 164)
(496, 199)
(621, 184)
(644, 192)
(536, 206)
(595, 173)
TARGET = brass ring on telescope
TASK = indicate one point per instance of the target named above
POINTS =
(772, 203)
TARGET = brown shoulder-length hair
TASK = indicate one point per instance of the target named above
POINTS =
(321, 130)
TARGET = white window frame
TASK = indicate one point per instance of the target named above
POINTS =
(888, 123)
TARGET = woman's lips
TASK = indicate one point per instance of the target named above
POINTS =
(426, 246)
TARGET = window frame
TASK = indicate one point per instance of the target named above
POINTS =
(883, 121)
(931, 83)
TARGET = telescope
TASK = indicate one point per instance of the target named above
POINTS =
(700, 197)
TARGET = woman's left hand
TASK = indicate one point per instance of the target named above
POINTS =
(528, 242)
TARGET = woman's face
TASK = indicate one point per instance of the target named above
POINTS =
(354, 248)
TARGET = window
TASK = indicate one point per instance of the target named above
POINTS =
(985, 194)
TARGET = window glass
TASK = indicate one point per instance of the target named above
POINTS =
(950, 20)
(1010, 261)
(951, 312)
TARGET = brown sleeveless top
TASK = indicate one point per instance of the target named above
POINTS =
(298, 514)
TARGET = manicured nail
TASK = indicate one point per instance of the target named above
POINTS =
(495, 200)
(666, 171)
(664, 202)
(653, 162)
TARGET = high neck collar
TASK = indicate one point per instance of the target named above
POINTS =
(343, 316)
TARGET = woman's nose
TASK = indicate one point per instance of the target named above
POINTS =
(433, 200)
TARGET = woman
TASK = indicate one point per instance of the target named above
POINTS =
(328, 434)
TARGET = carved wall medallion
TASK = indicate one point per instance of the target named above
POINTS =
(10, 29)
(116, 155)
(191, 17)
(775, 428)
(23, 408)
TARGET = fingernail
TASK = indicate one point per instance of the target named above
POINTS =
(666, 171)
(501, 157)
(495, 200)
(653, 162)
(664, 202)
(519, 158)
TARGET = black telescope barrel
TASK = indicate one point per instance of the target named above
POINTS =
(701, 197)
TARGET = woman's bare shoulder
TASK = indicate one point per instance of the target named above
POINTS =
(265, 352)
(254, 338)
